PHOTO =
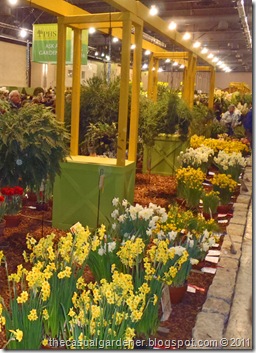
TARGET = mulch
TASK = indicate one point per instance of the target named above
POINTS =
(148, 188)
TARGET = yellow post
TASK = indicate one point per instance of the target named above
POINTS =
(155, 79)
(189, 80)
(150, 76)
(212, 86)
(124, 91)
(76, 87)
(134, 118)
(61, 70)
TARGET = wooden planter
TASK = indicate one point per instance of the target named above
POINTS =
(162, 158)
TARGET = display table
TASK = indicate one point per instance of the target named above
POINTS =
(77, 196)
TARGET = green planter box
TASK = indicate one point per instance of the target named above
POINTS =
(162, 159)
(76, 195)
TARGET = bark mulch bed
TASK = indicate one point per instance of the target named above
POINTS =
(149, 188)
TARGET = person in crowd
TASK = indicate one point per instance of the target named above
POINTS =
(15, 99)
(231, 119)
(247, 122)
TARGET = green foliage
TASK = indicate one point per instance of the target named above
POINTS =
(102, 137)
(202, 121)
(217, 129)
(32, 145)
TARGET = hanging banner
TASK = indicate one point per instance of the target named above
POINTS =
(45, 43)
(84, 46)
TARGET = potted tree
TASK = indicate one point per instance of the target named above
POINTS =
(167, 123)
(32, 145)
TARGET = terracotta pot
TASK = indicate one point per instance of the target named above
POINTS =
(2, 226)
(12, 220)
(177, 293)
(207, 216)
(225, 208)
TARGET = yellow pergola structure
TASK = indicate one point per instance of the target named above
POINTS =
(132, 13)
(77, 192)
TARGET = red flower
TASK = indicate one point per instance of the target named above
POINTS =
(18, 190)
(2, 198)
(7, 191)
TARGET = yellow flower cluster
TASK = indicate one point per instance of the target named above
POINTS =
(190, 177)
(130, 251)
(2, 318)
(224, 181)
(226, 144)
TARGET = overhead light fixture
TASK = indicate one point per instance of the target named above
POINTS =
(186, 36)
(196, 44)
(175, 64)
(210, 56)
(204, 50)
(92, 30)
(147, 52)
(96, 53)
(23, 33)
(107, 57)
(168, 61)
(133, 46)
(102, 54)
(172, 25)
(144, 66)
(215, 59)
(13, 2)
(182, 66)
(115, 40)
(153, 10)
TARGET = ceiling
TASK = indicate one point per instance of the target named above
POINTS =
(217, 24)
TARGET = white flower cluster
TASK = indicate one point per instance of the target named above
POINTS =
(226, 160)
(151, 214)
(207, 241)
(196, 156)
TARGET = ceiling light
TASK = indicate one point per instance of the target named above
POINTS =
(153, 10)
(23, 33)
(92, 30)
(147, 52)
(196, 44)
(172, 25)
(175, 64)
(107, 57)
(182, 66)
(168, 61)
(215, 59)
(210, 56)
(204, 50)
(160, 69)
(13, 2)
(115, 40)
(133, 46)
(96, 53)
(102, 54)
(144, 66)
(186, 36)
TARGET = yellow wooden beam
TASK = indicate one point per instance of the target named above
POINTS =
(76, 88)
(171, 55)
(61, 70)
(136, 78)
(203, 68)
(94, 18)
(211, 90)
(124, 91)
(137, 9)
(98, 25)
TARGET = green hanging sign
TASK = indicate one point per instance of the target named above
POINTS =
(45, 44)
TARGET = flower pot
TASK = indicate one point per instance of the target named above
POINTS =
(177, 293)
(12, 220)
(207, 216)
(42, 206)
(224, 209)
(2, 226)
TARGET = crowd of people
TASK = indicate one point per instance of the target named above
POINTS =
(17, 99)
